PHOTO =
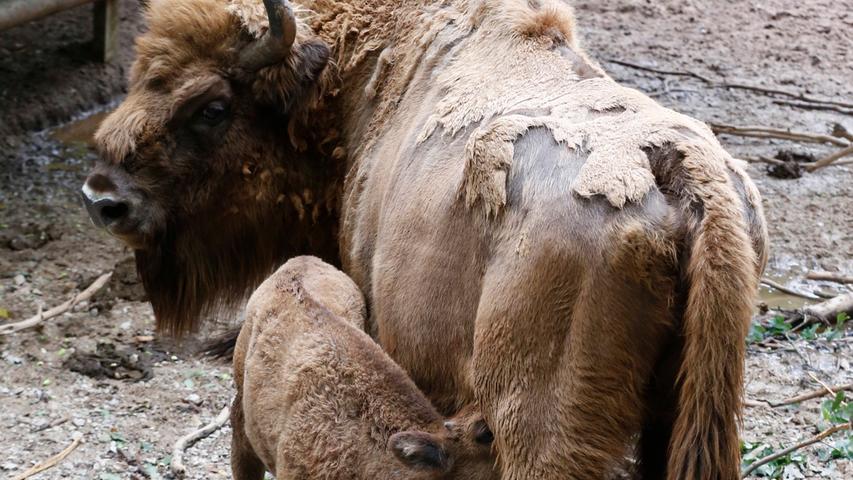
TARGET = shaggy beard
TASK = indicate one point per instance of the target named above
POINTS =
(203, 271)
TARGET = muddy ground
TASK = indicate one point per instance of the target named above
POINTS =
(48, 250)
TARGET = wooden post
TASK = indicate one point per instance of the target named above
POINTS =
(106, 30)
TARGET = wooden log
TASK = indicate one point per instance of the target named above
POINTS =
(16, 12)
(106, 30)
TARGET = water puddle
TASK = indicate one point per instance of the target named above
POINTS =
(80, 132)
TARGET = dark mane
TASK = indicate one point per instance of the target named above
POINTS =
(210, 267)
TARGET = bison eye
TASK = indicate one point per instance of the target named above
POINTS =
(213, 113)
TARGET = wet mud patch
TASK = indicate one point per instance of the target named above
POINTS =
(107, 362)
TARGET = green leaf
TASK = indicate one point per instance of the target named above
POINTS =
(4, 313)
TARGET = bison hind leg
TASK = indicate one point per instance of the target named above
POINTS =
(245, 464)
(661, 406)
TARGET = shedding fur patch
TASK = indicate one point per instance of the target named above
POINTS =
(611, 123)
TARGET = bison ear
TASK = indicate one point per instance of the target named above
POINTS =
(420, 450)
(297, 82)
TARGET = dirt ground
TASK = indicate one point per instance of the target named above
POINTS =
(49, 251)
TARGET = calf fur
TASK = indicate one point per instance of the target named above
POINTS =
(317, 398)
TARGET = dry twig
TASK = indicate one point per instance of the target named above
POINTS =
(765, 132)
(829, 159)
(736, 86)
(177, 464)
(804, 443)
(58, 310)
(49, 425)
(814, 106)
(763, 159)
(829, 310)
(50, 462)
(808, 396)
(825, 386)
(830, 277)
(789, 291)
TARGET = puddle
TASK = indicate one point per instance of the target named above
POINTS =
(775, 298)
(80, 132)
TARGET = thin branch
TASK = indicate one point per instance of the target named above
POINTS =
(763, 159)
(789, 291)
(829, 431)
(814, 106)
(825, 386)
(765, 132)
(50, 462)
(58, 310)
(830, 309)
(810, 395)
(49, 425)
(737, 86)
(662, 72)
(829, 159)
(830, 277)
(177, 464)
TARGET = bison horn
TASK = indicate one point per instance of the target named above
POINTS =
(274, 45)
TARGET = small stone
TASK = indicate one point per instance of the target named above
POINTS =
(79, 422)
(9, 466)
(194, 399)
(19, 279)
(12, 359)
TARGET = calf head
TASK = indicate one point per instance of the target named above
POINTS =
(199, 168)
(461, 450)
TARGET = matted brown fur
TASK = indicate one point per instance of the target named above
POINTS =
(317, 398)
(530, 236)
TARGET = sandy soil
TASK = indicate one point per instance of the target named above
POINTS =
(48, 251)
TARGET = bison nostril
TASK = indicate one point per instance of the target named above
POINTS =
(113, 212)
(106, 210)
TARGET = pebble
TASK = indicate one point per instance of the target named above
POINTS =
(194, 399)
(12, 359)
(19, 279)
(79, 422)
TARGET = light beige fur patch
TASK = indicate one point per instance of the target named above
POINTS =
(613, 124)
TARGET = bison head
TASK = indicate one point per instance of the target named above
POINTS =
(199, 168)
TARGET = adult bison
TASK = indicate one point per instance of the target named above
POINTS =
(530, 236)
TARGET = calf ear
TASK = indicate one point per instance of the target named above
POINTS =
(420, 450)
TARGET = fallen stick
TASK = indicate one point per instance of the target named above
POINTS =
(50, 462)
(177, 463)
(829, 159)
(662, 72)
(58, 310)
(814, 106)
(805, 443)
(763, 159)
(737, 86)
(766, 132)
(49, 425)
(808, 396)
(829, 310)
(789, 291)
(830, 277)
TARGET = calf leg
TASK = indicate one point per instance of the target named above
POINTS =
(245, 465)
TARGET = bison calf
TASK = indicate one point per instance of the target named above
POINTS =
(318, 398)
